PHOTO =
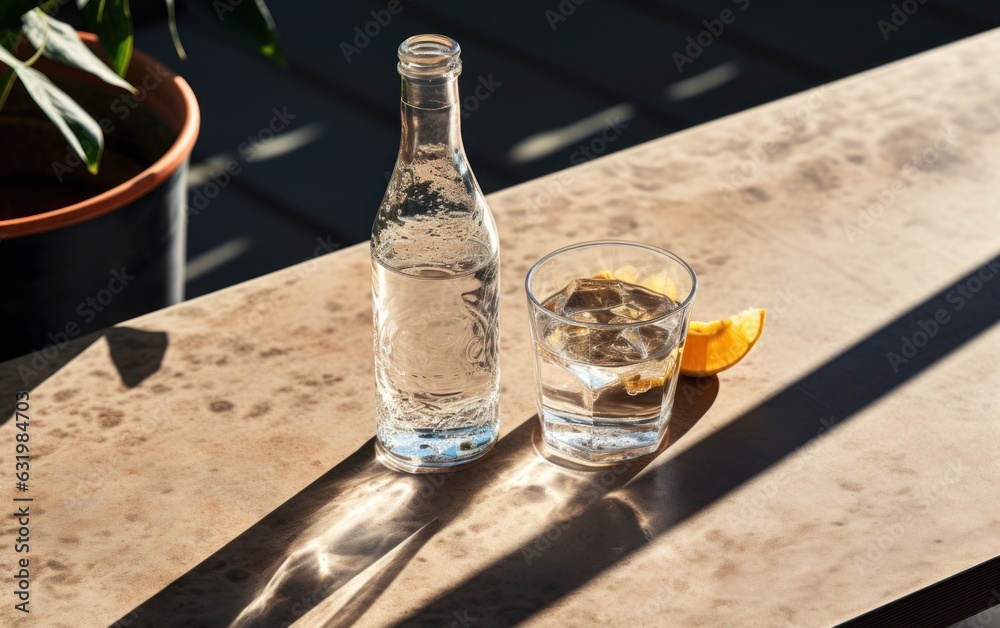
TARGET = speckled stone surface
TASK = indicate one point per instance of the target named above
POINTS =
(212, 464)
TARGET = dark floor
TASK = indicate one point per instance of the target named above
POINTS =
(556, 72)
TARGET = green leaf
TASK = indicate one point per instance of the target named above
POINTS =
(249, 19)
(174, 35)
(111, 20)
(6, 83)
(12, 10)
(66, 47)
(81, 131)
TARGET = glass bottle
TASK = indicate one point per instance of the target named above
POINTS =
(435, 296)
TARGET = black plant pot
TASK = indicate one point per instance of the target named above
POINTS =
(80, 252)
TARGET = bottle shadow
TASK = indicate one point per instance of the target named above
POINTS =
(332, 549)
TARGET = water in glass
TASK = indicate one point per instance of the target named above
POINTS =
(606, 386)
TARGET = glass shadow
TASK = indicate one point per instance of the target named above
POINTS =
(331, 550)
(610, 529)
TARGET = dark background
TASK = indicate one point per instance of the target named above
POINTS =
(558, 70)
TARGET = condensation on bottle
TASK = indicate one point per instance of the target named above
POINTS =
(435, 296)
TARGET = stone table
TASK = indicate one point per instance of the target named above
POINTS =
(212, 463)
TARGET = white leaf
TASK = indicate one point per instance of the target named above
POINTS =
(81, 130)
(66, 47)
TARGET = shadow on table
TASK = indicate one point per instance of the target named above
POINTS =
(136, 354)
(333, 548)
(509, 591)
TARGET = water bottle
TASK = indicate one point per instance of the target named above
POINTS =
(435, 296)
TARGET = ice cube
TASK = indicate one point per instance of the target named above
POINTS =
(595, 296)
(636, 338)
(626, 313)
(601, 300)
(556, 304)
(590, 317)
(620, 320)
(606, 347)
(628, 345)
(593, 377)
(570, 341)
(609, 301)
(642, 304)
(625, 348)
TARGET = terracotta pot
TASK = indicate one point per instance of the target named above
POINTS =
(80, 252)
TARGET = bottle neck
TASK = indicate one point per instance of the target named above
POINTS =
(431, 120)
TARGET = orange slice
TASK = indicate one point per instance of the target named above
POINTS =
(713, 347)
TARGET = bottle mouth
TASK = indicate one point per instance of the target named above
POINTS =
(430, 57)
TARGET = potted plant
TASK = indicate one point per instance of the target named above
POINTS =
(94, 147)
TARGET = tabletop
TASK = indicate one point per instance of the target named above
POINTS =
(213, 463)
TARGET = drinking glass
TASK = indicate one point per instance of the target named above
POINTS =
(608, 320)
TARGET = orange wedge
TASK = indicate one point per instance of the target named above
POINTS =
(713, 347)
